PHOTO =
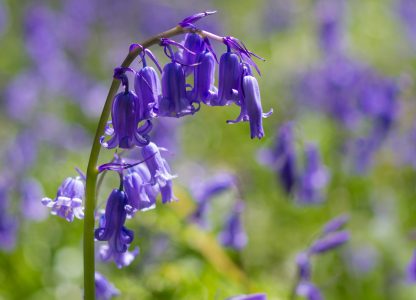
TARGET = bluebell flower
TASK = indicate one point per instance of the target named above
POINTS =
(314, 178)
(259, 296)
(304, 266)
(308, 290)
(329, 242)
(335, 224)
(204, 77)
(205, 192)
(8, 223)
(250, 102)
(228, 79)
(233, 234)
(407, 12)
(282, 157)
(140, 193)
(330, 15)
(158, 168)
(31, 193)
(126, 114)
(121, 259)
(196, 45)
(112, 227)
(411, 269)
(148, 90)
(104, 290)
(174, 101)
(68, 201)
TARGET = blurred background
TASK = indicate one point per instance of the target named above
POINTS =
(340, 78)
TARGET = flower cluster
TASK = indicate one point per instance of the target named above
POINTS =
(232, 234)
(308, 184)
(363, 101)
(331, 237)
(144, 173)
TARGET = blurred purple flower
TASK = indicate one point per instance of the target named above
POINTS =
(314, 178)
(304, 266)
(407, 12)
(22, 152)
(204, 192)
(411, 269)
(329, 242)
(32, 208)
(335, 224)
(361, 260)
(21, 103)
(278, 15)
(330, 15)
(233, 234)
(259, 296)
(104, 290)
(309, 291)
(282, 157)
(8, 223)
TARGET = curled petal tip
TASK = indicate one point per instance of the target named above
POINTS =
(188, 21)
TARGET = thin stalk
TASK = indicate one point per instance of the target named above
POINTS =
(92, 170)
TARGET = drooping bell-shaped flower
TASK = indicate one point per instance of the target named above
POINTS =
(123, 259)
(204, 77)
(125, 115)
(284, 157)
(250, 102)
(228, 80)
(68, 201)
(411, 269)
(335, 224)
(205, 192)
(112, 227)
(104, 290)
(303, 265)
(148, 90)
(167, 189)
(314, 178)
(233, 234)
(329, 242)
(157, 165)
(174, 101)
(140, 193)
(308, 291)
(196, 45)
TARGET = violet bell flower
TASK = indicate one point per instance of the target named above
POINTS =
(112, 227)
(250, 102)
(147, 86)
(125, 115)
(140, 193)
(204, 77)
(309, 291)
(68, 201)
(174, 101)
(233, 234)
(104, 290)
(329, 242)
(195, 43)
(157, 165)
(228, 79)
(314, 179)
(123, 259)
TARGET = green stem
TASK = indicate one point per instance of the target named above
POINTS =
(92, 170)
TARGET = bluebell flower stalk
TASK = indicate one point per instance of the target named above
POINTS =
(173, 102)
